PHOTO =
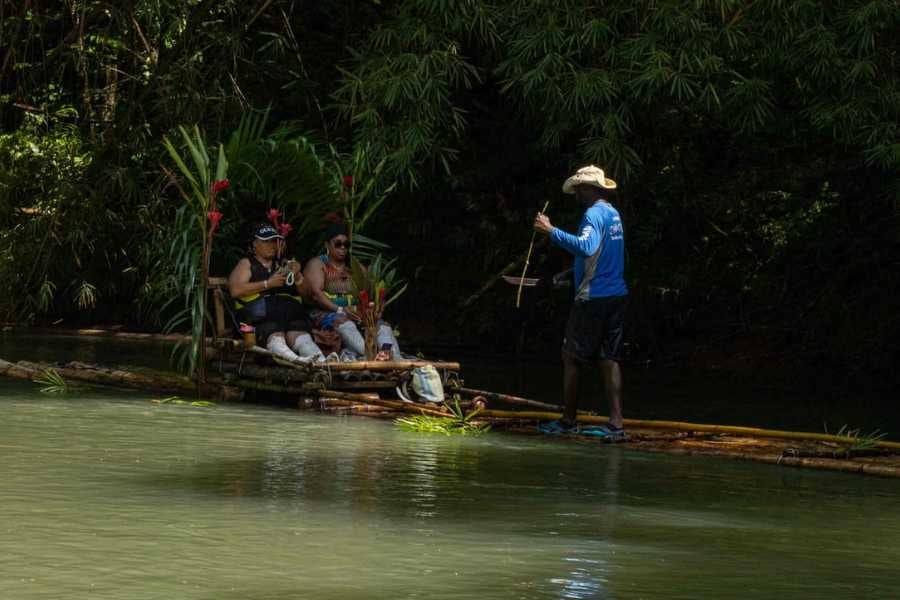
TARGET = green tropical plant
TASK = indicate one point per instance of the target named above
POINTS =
(858, 441)
(457, 423)
(53, 383)
(375, 287)
(195, 225)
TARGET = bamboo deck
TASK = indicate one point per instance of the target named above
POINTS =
(366, 389)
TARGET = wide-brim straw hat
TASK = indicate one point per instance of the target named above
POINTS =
(589, 175)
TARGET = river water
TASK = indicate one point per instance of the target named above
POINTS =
(106, 494)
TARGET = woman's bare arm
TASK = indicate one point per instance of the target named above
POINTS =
(239, 283)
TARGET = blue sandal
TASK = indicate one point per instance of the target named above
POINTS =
(557, 427)
(606, 433)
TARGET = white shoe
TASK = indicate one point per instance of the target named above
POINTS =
(348, 356)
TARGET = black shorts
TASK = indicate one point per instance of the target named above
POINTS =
(595, 329)
(274, 314)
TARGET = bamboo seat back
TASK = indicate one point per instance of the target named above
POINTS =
(218, 287)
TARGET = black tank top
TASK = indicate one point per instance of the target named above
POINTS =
(258, 272)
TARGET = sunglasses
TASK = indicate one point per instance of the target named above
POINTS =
(340, 244)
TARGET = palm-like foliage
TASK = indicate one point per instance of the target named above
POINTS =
(379, 283)
(457, 423)
(53, 382)
(191, 242)
(282, 169)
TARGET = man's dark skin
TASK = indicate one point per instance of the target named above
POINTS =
(586, 196)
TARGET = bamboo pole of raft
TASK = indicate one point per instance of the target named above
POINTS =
(528, 259)
(353, 397)
(685, 426)
(395, 404)
(506, 398)
(819, 464)
(76, 371)
(337, 405)
(111, 333)
(387, 365)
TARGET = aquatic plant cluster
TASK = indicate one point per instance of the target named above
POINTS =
(458, 422)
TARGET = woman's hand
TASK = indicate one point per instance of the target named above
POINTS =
(276, 281)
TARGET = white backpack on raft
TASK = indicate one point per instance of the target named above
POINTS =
(426, 385)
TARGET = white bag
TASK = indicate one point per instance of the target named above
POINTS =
(426, 383)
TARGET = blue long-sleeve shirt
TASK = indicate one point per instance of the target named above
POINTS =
(599, 251)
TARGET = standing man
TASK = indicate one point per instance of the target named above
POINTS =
(594, 329)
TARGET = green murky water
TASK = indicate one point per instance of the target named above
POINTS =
(104, 494)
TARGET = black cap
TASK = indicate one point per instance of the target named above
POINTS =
(336, 229)
(266, 233)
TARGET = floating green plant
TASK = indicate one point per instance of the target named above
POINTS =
(180, 401)
(457, 423)
(53, 383)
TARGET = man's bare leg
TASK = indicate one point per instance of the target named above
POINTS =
(570, 389)
(612, 381)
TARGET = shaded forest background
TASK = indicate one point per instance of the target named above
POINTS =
(757, 147)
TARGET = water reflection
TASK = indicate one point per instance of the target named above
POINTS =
(113, 498)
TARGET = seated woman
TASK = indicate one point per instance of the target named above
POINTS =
(265, 299)
(328, 288)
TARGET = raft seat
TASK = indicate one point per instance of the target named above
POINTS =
(218, 288)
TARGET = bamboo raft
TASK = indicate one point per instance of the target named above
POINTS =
(364, 389)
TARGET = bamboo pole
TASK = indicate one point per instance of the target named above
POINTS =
(686, 426)
(506, 398)
(349, 396)
(821, 464)
(528, 259)
(348, 406)
(124, 335)
(285, 374)
(387, 365)
(75, 371)
(395, 404)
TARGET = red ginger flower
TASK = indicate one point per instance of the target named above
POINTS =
(221, 185)
(284, 229)
(214, 217)
(348, 180)
(273, 215)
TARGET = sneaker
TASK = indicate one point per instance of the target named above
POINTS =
(606, 433)
(558, 427)
(348, 356)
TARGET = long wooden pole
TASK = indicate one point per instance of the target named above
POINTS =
(506, 398)
(528, 260)
(686, 426)
(395, 404)
(387, 365)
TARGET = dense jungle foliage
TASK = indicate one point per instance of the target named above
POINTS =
(757, 147)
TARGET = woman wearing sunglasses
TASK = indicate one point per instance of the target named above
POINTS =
(328, 287)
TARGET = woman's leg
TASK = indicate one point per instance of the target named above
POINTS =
(351, 337)
(303, 344)
(386, 337)
(277, 346)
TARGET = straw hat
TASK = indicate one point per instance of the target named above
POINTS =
(589, 175)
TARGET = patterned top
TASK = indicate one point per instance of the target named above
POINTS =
(337, 280)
